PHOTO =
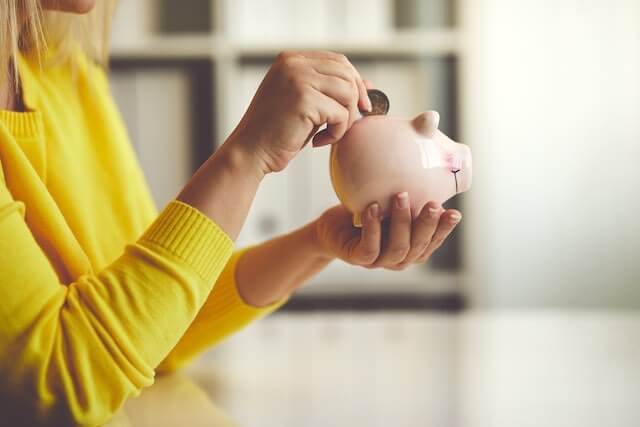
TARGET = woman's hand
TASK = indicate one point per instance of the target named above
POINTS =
(395, 243)
(274, 269)
(301, 92)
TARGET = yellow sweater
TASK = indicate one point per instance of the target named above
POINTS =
(97, 291)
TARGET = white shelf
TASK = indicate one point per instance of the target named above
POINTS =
(168, 47)
(417, 44)
(340, 278)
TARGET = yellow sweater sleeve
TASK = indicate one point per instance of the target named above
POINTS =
(223, 313)
(73, 353)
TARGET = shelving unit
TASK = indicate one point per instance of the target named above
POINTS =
(415, 66)
(409, 44)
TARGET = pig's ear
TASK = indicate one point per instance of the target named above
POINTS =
(426, 123)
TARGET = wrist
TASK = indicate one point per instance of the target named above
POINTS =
(318, 248)
(224, 187)
(238, 155)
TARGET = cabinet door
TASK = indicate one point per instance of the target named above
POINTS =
(156, 107)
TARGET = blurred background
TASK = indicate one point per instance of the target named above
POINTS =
(529, 314)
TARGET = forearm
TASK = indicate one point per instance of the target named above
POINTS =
(273, 270)
(225, 185)
(77, 350)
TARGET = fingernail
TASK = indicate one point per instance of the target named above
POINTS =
(373, 211)
(433, 212)
(455, 218)
(402, 200)
(369, 104)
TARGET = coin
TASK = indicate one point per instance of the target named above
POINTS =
(379, 102)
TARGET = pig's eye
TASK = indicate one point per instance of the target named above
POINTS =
(454, 161)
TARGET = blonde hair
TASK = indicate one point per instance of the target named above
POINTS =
(27, 29)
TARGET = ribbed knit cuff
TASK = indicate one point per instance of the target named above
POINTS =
(191, 237)
(23, 124)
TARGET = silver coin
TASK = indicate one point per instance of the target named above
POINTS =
(379, 102)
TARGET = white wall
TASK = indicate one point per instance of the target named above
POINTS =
(551, 107)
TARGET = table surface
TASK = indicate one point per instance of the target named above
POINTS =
(527, 368)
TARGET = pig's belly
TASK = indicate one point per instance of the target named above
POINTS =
(434, 184)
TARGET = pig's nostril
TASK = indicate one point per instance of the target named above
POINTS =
(455, 163)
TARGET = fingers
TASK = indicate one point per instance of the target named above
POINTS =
(424, 227)
(329, 111)
(343, 91)
(364, 102)
(329, 67)
(448, 221)
(334, 76)
(405, 241)
(398, 244)
(368, 248)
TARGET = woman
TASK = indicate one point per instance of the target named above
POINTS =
(98, 291)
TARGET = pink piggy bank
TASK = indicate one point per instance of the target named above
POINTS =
(381, 156)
